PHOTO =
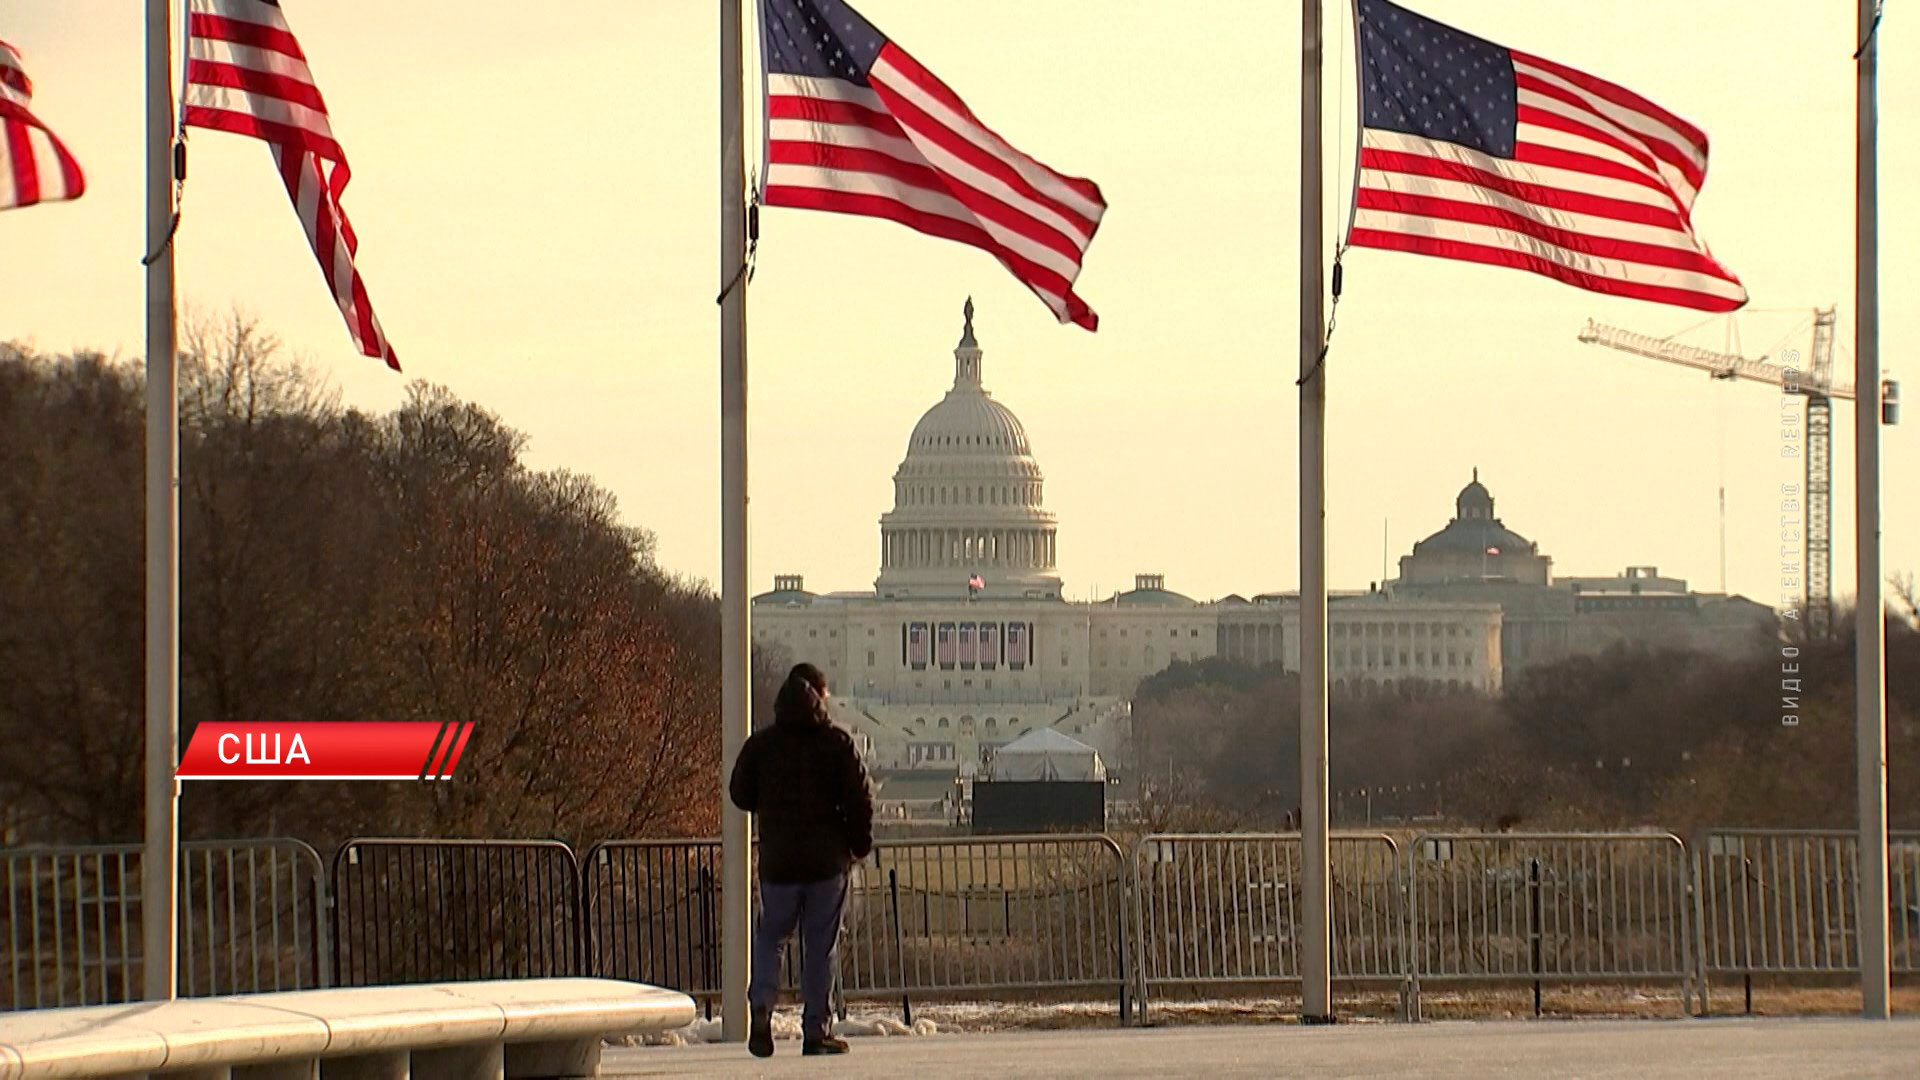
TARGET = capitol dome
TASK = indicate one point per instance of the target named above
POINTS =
(967, 499)
(968, 421)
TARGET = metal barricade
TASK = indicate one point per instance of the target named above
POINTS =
(410, 911)
(1784, 902)
(1548, 908)
(987, 913)
(653, 913)
(1222, 910)
(251, 920)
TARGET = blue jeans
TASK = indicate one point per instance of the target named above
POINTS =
(814, 907)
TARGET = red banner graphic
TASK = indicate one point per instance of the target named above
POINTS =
(325, 751)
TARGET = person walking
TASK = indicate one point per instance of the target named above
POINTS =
(803, 781)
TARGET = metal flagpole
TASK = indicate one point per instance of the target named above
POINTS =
(1870, 715)
(736, 840)
(158, 866)
(1315, 986)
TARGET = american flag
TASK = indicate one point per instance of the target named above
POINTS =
(856, 126)
(976, 582)
(34, 166)
(1471, 150)
(247, 75)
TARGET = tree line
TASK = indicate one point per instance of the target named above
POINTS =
(1630, 737)
(337, 565)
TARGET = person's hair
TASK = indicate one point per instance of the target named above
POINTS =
(802, 697)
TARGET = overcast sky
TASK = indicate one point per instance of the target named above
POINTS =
(535, 192)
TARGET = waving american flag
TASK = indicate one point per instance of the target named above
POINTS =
(246, 74)
(856, 126)
(34, 166)
(1471, 150)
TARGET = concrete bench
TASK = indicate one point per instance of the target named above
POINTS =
(515, 1028)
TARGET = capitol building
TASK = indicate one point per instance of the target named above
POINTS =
(967, 642)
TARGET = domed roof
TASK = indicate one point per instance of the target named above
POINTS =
(968, 421)
(1474, 528)
(1478, 537)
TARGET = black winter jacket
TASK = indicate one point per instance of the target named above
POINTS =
(803, 780)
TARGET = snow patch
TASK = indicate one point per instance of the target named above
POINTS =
(786, 1025)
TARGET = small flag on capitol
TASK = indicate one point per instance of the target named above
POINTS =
(1474, 151)
(856, 126)
(246, 74)
(976, 583)
(35, 166)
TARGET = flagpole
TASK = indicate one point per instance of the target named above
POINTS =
(736, 840)
(1870, 714)
(158, 867)
(1315, 985)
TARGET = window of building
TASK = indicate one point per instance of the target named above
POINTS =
(992, 724)
(869, 657)
(1195, 632)
(943, 722)
(813, 633)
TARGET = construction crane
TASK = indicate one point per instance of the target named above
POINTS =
(1815, 383)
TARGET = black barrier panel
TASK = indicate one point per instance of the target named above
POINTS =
(1002, 807)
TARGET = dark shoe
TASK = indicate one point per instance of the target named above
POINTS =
(760, 1036)
(827, 1045)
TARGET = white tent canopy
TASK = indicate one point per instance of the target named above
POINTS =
(1045, 754)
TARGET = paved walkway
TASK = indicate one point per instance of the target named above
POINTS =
(1757, 1049)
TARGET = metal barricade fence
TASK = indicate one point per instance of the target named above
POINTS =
(1548, 908)
(946, 916)
(987, 913)
(251, 920)
(410, 911)
(1785, 902)
(1222, 910)
(652, 915)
